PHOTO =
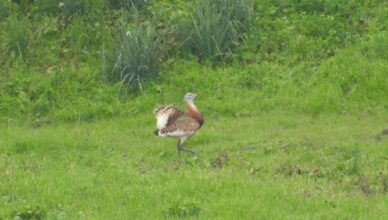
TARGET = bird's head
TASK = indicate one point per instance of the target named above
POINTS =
(189, 97)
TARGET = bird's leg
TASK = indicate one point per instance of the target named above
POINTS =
(184, 149)
(178, 147)
(187, 150)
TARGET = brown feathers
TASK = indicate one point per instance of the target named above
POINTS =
(172, 122)
(165, 109)
(166, 115)
(173, 117)
(194, 113)
(182, 124)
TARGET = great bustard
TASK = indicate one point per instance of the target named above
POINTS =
(171, 122)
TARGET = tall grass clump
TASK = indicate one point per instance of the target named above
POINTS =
(17, 40)
(135, 59)
(215, 28)
(72, 8)
(4, 10)
(127, 4)
(67, 8)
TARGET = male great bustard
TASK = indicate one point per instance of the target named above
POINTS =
(171, 122)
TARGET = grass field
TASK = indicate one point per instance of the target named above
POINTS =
(294, 95)
(273, 166)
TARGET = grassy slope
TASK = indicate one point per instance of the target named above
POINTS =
(280, 166)
(298, 56)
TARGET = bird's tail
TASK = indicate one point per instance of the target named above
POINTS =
(160, 133)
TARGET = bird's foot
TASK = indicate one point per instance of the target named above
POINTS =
(187, 150)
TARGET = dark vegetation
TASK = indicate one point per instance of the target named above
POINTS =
(83, 60)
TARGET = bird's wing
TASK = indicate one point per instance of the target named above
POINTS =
(182, 126)
(166, 115)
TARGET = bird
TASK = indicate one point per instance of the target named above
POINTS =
(173, 123)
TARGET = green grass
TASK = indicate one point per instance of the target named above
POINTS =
(300, 56)
(293, 102)
(279, 166)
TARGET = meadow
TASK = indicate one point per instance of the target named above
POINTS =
(294, 94)
(271, 166)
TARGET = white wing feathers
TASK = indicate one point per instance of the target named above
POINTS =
(164, 114)
(161, 121)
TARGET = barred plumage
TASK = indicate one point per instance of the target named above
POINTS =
(171, 122)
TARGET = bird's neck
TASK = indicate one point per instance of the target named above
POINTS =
(192, 111)
(190, 106)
